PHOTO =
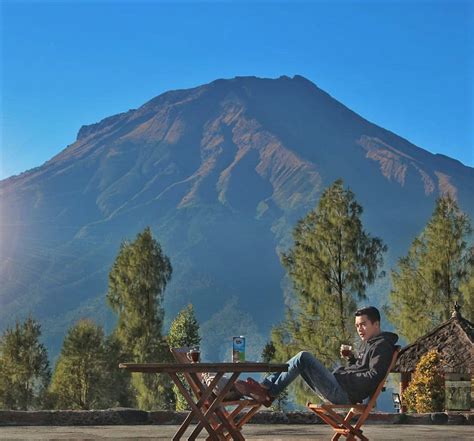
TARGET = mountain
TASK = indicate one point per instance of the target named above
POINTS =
(221, 173)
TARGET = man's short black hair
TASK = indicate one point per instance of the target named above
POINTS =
(371, 312)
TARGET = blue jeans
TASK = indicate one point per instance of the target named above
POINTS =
(318, 378)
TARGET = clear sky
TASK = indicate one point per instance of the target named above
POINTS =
(405, 65)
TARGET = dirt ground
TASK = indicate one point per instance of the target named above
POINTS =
(255, 432)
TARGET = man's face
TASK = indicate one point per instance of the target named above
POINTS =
(365, 328)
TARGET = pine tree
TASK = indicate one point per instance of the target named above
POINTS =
(81, 376)
(118, 391)
(433, 272)
(184, 331)
(24, 367)
(137, 283)
(331, 263)
(467, 291)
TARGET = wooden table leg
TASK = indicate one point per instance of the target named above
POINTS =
(226, 422)
(205, 393)
(195, 410)
(212, 410)
(232, 415)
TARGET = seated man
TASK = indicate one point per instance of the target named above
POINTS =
(351, 384)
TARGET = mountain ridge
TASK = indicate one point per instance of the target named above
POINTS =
(89, 129)
(221, 172)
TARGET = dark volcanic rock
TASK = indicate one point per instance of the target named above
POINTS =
(166, 417)
(439, 418)
(456, 418)
(118, 416)
(73, 417)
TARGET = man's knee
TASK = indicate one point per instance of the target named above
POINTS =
(303, 357)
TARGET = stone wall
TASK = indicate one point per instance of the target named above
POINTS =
(122, 416)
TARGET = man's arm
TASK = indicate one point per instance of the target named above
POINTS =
(378, 364)
(351, 359)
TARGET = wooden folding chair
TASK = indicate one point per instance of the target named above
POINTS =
(342, 425)
(243, 409)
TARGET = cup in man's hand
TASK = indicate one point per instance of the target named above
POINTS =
(346, 351)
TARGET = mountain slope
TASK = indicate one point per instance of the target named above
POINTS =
(221, 173)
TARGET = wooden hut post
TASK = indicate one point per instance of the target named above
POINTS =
(405, 378)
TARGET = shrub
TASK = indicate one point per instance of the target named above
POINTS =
(425, 392)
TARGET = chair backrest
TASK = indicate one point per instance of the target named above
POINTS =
(373, 397)
(180, 355)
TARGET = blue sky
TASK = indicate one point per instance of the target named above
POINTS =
(405, 65)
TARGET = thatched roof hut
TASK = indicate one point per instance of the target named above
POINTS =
(453, 339)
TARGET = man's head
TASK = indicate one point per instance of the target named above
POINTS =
(367, 322)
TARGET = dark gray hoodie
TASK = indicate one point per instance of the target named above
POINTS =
(364, 373)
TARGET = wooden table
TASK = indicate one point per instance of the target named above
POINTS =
(206, 406)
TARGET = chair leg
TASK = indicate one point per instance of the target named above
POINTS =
(353, 436)
(362, 437)
(340, 424)
(349, 415)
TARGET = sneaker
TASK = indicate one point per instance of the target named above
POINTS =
(254, 390)
(270, 400)
(252, 381)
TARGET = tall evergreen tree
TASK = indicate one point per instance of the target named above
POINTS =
(184, 331)
(119, 391)
(467, 291)
(80, 378)
(137, 283)
(433, 272)
(24, 367)
(332, 261)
